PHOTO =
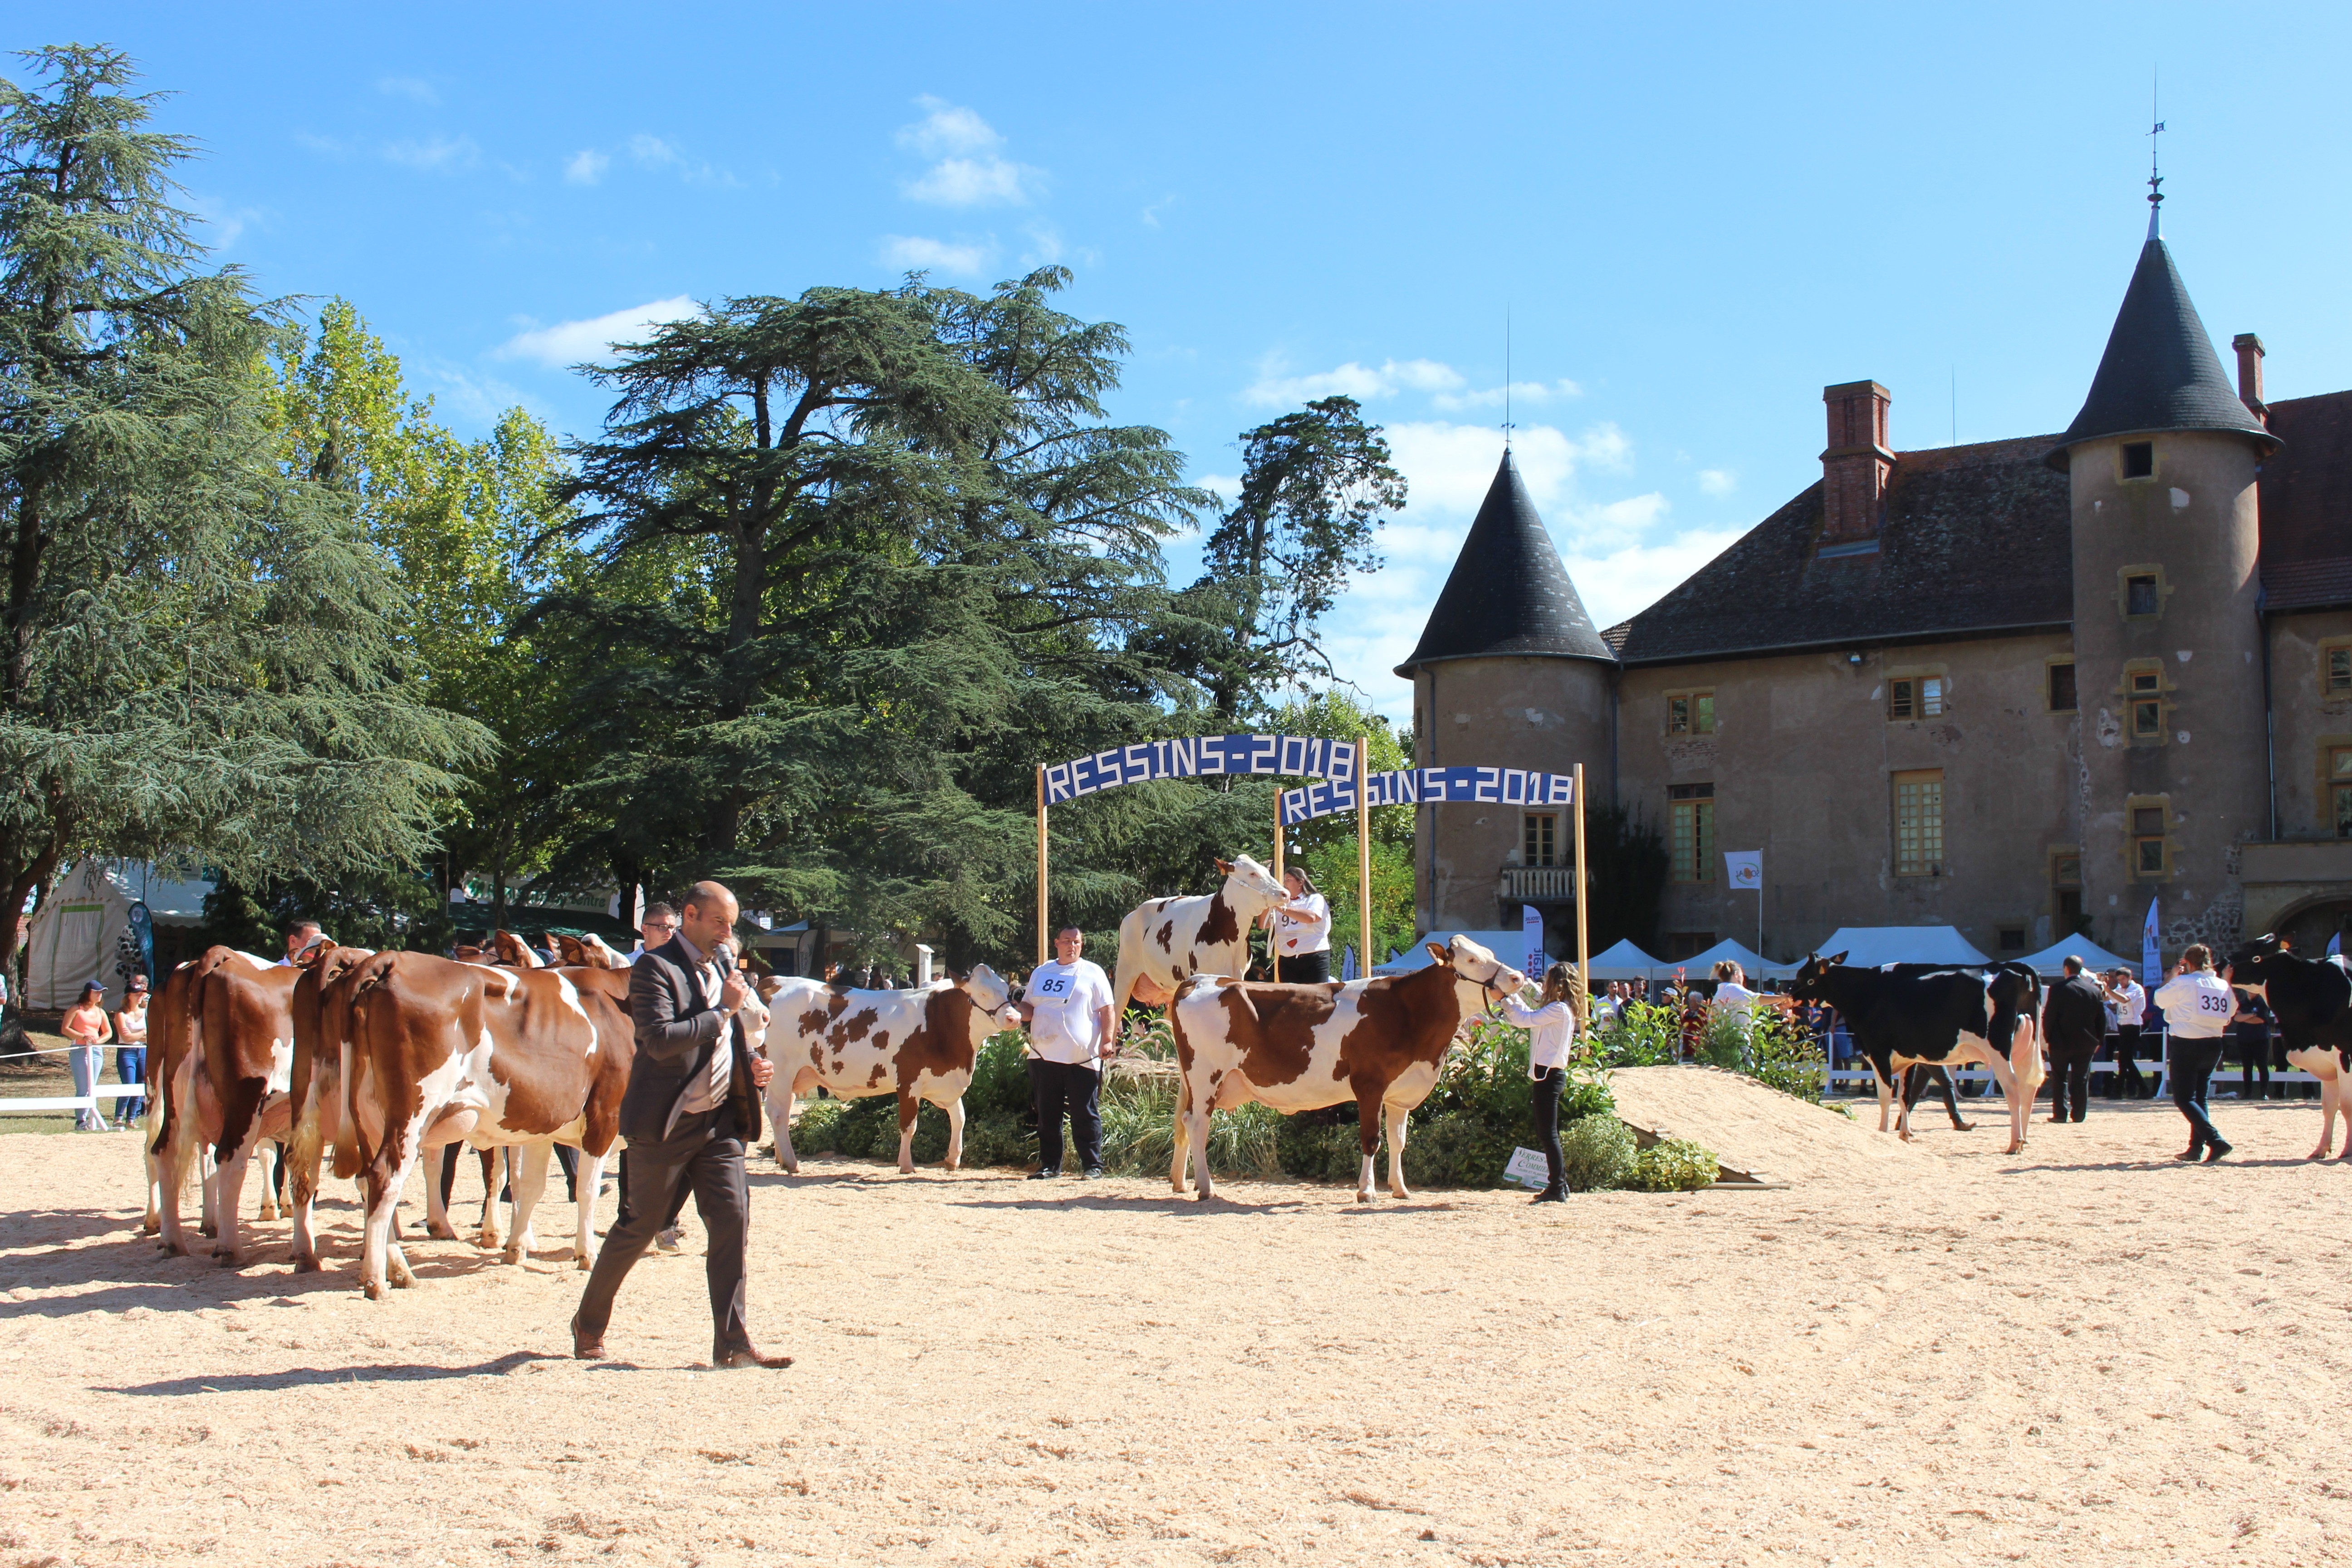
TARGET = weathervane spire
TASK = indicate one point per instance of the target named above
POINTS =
(1506, 378)
(2154, 179)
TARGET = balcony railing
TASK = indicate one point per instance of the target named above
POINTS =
(1537, 885)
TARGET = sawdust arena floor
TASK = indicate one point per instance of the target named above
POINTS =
(2086, 1355)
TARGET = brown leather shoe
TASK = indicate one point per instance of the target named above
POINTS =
(583, 1348)
(743, 1356)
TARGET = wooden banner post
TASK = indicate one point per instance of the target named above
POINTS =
(1277, 830)
(1045, 936)
(1363, 863)
(1583, 979)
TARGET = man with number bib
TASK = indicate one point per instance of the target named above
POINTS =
(1066, 1005)
(2197, 1006)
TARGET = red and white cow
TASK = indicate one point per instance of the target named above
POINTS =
(1167, 941)
(918, 1044)
(228, 1089)
(585, 951)
(1379, 1042)
(439, 1050)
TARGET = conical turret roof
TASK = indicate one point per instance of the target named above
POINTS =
(2159, 371)
(1508, 595)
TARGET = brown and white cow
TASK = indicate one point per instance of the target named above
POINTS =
(228, 1089)
(1379, 1042)
(320, 1009)
(918, 1044)
(1166, 942)
(439, 1050)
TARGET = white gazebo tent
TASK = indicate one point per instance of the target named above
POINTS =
(1868, 947)
(1626, 962)
(2052, 959)
(81, 933)
(1753, 964)
(1510, 946)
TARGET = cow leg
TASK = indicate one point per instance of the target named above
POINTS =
(2329, 1098)
(1886, 1093)
(489, 1237)
(909, 1108)
(587, 1184)
(305, 1155)
(178, 1155)
(1176, 1133)
(1396, 1120)
(228, 1196)
(530, 1182)
(437, 1207)
(1367, 1134)
(382, 1263)
(1195, 1123)
(267, 1153)
(955, 1133)
(780, 1111)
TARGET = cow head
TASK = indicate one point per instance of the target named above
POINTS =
(988, 991)
(1475, 967)
(1250, 888)
(2249, 967)
(585, 951)
(1807, 986)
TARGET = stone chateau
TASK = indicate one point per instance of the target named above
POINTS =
(2018, 688)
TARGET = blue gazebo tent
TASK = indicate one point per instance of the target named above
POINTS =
(2096, 959)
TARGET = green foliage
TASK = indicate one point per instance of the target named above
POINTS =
(1316, 1147)
(1456, 1149)
(818, 1129)
(997, 1138)
(1642, 1034)
(206, 655)
(1597, 1154)
(1000, 1078)
(1139, 1131)
(1725, 1043)
(1673, 1165)
(1782, 1052)
(868, 1129)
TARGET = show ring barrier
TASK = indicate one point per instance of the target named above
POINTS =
(1346, 784)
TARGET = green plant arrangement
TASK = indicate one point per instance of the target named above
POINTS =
(1642, 1034)
(1672, 1165)
(1785, 1053)
(1597, 1153)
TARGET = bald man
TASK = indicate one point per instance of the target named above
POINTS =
(692, 1105)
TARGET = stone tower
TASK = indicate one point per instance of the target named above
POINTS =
(1509, 672)
(2162, 465)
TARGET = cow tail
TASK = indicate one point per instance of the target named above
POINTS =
(350, 1153)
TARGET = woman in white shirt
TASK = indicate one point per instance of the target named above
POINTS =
(2197, 1005)
(1551, 1025)
(1302, 932)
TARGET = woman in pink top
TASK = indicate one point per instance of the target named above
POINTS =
(87, 1028)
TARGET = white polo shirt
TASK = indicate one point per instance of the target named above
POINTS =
(1296, 937)
(1069, 999)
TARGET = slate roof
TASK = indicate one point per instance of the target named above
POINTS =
(1508, 595)
(1977, 539)
(2159, 371)
(2306, 505)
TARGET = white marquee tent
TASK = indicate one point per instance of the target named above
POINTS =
(1867, 947)
(81, 933)
(1510, 946)
(2051, 960)
(1753, 964)
(1626, 961)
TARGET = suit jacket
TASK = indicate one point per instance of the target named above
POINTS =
(2075, 1019)
(677, 1032)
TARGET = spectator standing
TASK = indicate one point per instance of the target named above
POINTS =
(87, 1028)
(661, 924)
(130, 1050)
(1551, 1029)
(1066, 1005)
(2197, 1005)
(2073, 1025)
(1302, 931)
(1731, 990)
(300, 937)
(2128, 1007)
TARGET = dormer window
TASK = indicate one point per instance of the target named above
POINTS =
(2139, 596)
(2139, 459)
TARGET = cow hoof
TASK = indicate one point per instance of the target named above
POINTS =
(307, 1265)
(225, 1258)
(269, 1211)
(372, 1289)
(511, 1255)
(586, 1260)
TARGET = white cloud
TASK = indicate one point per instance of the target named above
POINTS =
(1151, 214)
(1629, 580)
(408, 87)
(1718, 481)
(969, 173)
(1517, 391)
(653, 152)
(1275, 389)
(1448, 467)
(471, 400)
(948, 128)
(225, 222)
(917, 254)
(573, 342)
(442, 155)
(586, 166)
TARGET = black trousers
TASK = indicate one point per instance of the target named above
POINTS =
(2193, 1062)
(1549, 1082)
(1922, 1077)
(565, 1156)
(704, 1155)
(2129, 1083)
(2070, 1081)
(1060, 1087)
(2253, 1057)
(1304, 969)
(677, 1204)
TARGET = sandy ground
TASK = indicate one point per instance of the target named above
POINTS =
(2088, 1354)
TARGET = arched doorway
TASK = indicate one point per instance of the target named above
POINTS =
(2308, 930)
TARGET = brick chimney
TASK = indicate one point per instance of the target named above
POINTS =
(2250, 375)
(1856, 464)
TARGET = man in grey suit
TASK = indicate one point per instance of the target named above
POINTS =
(692, 1105)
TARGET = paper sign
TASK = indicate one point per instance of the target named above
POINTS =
(1528, 1168)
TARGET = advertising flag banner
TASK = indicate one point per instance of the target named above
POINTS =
(2151, 960)
(1745, 867)
(2336, 944)
(1531, 927)
(1348, 964)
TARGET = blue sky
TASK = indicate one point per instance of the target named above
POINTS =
(1695, 218)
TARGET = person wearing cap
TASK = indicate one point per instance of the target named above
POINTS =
(87, 1029)
(130, 1050)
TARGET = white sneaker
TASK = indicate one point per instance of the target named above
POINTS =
(666, 1239)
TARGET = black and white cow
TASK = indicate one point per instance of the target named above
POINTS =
(2312, 1000)
(1912, 1012)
